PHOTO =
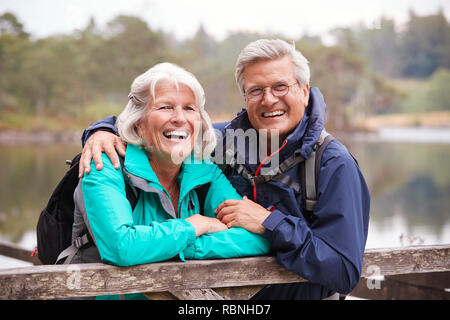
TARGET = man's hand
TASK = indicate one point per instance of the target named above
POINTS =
(242, 213)
(98, 142)
(203, 224)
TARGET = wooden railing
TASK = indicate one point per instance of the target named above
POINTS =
(207, 279)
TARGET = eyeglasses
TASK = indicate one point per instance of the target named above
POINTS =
(277, 90)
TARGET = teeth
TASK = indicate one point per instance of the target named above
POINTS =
(273, 114)
(176, 134)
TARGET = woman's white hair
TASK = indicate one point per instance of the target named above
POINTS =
(143, 92)
(265, 49)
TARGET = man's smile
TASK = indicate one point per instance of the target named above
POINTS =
(273, 114)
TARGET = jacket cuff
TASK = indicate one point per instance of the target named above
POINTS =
(189, 251)
(107, 124)
(271, 222)
(190, 230)
(191, 234)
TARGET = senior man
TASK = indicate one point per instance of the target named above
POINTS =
(325, 246)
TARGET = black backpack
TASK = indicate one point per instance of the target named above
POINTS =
(54, 226)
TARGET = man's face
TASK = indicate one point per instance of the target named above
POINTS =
(271, 112)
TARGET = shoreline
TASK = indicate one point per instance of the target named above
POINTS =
(22, 137)
(382, 133)
(435, 119)
(372, 126)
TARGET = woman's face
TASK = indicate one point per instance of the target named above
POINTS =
(172, 122)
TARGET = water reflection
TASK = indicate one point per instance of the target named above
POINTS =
(28, 175)
(409, 183)
(410, 188)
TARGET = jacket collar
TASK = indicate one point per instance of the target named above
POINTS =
(193, 171)
(137, 163)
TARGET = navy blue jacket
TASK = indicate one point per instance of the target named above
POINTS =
(328, 251)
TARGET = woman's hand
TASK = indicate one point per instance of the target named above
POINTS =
(243, 213)
(98, 142)
(203, 225)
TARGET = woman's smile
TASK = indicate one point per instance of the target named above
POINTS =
(176, 135)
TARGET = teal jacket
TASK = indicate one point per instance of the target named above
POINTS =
(151, 232)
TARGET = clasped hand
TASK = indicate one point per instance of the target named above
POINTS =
(242, 213)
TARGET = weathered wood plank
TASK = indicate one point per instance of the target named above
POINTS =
(230, 293)
(165, 295)
(413, 259)
(197, 294)
(60, 281)
(391, 289)
(405, 286)
(438, 280)
(14, 251)
(193, 294)
(239, 293)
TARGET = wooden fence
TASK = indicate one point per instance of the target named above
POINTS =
(402, 268)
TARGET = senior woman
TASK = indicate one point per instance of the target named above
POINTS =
(169, 137)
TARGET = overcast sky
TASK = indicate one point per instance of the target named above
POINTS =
(291, 18)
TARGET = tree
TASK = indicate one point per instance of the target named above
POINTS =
(13, 45)
(381, 46)
(11, 26)
(130, 49)
(336, 71)
(425, 45)
(438, 96)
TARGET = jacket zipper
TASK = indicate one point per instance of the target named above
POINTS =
(259, 168)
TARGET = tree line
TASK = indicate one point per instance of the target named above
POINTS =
(87, 74)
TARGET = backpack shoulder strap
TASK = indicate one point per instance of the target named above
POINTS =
(310, 171)
(202, 191)
(131, 192)
(276, 174)
(85, 237)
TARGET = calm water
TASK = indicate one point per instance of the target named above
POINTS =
(409, 183)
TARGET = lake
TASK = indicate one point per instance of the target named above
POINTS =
(406, 169)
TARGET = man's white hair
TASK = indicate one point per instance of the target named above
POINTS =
(265, 49)
(143, 92)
